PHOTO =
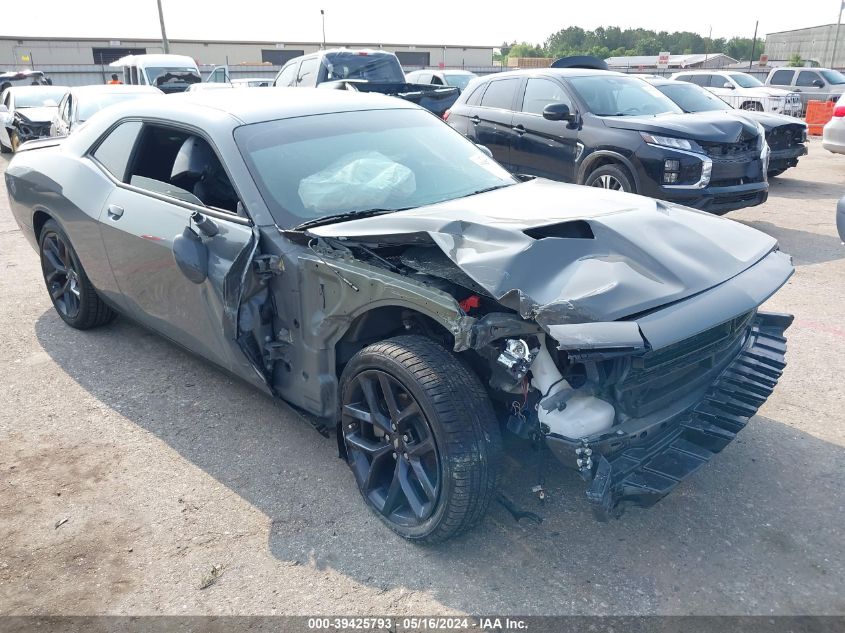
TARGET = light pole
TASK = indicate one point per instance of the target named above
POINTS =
(323, 16)
(836, 33)
(753, 45)
(165, 44)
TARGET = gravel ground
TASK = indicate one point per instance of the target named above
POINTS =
(157, 468)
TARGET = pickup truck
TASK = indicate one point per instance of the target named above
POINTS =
(363, 70)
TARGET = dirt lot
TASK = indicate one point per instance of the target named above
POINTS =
(156, 467)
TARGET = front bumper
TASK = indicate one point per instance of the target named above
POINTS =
(720, 200)
(641, 469)
(786, 158)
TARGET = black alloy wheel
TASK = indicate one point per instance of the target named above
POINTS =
(420, 437)
(73, 296)
(391, 448)
(610, 177)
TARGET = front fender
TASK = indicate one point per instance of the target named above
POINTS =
(591, 159)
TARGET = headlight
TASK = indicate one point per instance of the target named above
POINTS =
(762, 132)
(667, 141)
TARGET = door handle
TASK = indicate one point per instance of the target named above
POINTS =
(475, 120)
(114, 211)
(519, 129)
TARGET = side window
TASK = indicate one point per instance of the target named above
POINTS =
(113, 152)
(687, 78)
(306, 72)
(66, 114)
(436, 80)
(699, 80)
(288, 75)
(474, 97)
(806, 78)
(541, 92)
(782, 78)
(181, 165)
(718, 81)
(499, 94)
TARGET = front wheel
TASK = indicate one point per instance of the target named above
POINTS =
(15, 140)
(73, 296)
(421, 438)
(610, 177)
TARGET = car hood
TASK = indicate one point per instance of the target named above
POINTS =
(711, 127)
(561, 253)
(42, 114)
(764, 91)
(770, 121)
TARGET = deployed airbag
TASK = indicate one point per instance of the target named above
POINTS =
(360, 180)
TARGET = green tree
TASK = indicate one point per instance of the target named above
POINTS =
(795, 60)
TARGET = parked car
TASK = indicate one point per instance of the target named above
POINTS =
(26, 113)
(12, 78)
(833, 134)
(363, 70)
(455, 78)
(744, 91)
(168, 73)
(606, 129)
(355, 257)
(823, 84)
(82, 102)
(785, 135)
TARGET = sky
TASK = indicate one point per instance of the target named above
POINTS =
(486, 23)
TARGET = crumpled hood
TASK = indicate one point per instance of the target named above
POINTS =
(712, 127)
(769, 120)
(42, 114)
(562, 253)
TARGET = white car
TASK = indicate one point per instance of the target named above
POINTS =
(833, 136)
(744, 91)
(26, 113)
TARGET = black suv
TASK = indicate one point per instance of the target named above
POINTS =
(607, 129)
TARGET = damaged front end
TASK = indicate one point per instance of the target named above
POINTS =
(29, 130)
(628, 340)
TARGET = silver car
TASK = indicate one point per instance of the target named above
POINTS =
(833, 136)
(357, 258)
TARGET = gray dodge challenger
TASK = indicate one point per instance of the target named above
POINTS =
(354, 256)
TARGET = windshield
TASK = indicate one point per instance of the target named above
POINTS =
(833, 77)
(158, 76)
(745, 81)
(88, 106)
(458, 81)
(621, 96)
(314, 166)
(691, 98)
(42, 97)
(378, 68)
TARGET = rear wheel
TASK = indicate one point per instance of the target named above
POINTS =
(421, 438)
(73, 296)
(610, 177)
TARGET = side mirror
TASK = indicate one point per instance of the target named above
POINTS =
(729, 86)
(558, 112)
(191, 255)
(818, 83)
(485, 150)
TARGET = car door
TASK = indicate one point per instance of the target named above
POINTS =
(307, 77)
(811, 85)
(541, 147)
(717, 84)
(287, 76)
(139, 223)
(494, 116)
(61, 122)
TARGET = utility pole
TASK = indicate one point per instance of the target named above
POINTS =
(323, 15)
(707, 44)
(836, 34)
(165, 44)
(753, 45)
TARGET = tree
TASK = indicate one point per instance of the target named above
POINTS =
(795, 60)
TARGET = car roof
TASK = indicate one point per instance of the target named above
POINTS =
(113, 89)
(27, 89)
(799, 68)
(207, 106)
(154, 59)
(706, 71)
(557, 72)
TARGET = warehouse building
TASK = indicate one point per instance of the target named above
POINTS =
(25, 52)
(813, 44)
(676, 62)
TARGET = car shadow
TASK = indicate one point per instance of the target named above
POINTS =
(762, 506)
(806, 247)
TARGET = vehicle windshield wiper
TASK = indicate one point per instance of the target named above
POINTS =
(346, 215)
(486, 189)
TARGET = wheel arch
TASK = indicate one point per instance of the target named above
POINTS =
(607, 157)
(39, 219)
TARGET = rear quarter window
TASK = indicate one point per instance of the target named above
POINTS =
(114, 150)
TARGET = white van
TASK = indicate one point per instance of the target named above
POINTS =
(168, 73)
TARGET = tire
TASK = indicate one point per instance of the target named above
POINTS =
(775, 173)
(72, 294)
(442, 422)
(15, 140)
(751, 105)
(610, 177)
